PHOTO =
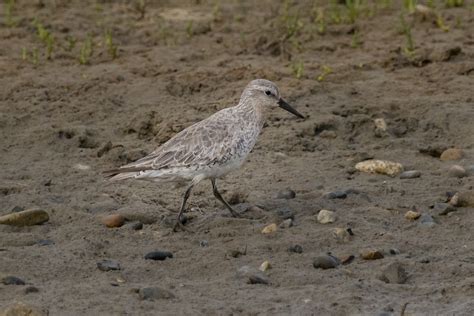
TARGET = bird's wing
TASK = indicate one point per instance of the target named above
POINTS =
(206, 142)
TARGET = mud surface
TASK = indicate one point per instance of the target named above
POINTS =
(63, 123)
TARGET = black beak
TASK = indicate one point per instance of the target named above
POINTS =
(289, 108)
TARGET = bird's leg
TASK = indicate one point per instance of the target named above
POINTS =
(220, 198)
(183, 205)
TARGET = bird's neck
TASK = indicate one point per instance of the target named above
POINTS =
(253, 112)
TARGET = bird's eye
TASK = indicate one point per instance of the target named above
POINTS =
(268, 92)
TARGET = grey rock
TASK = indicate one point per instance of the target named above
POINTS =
(252, 275)
(295, 249)
(108, 264)
(287, 194)
(204, 243)
(411, 174)
(339, 194)
(470, 170)
(285, 213)
(325, 262)
(457, 171)
(12, 280)
(443, 208)
(287, 223)
(394, 273)
(158, 255)
(154, 293)
(45, 242)
(426, 220)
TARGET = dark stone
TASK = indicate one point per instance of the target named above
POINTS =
(426, 220)
(136, 225)
(107, 265)
(154, 293)
(252, 275)
(204, 243)
(286, 194)
(12, 280)
(285, 213)
(295, 249)
(158, 255)
(337, 194)
(30, 289)
(325, 262)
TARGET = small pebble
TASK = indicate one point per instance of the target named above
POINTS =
(265, 266)
(236, 253)
(380, 166)
(443, 208)
(154, 293)
(108, 264)
(25, 218)
(285, 213)
(204, 243)
(342, 235)
(426, 220)
(394, 273)
(371, 255)
(252, 275)
(412, 215)
(412, 174)
(113, 220)
(158, 255)
(451, 154)
(45, 242)
(135, 225)
(325, 262)
(470, 170)
(326, 217)
(457, 171)
(287, 223)
(340, 194)
(347, 260)
(30, 289)
(295, 249)
(12, 280)
(269, 229)
(286, 194)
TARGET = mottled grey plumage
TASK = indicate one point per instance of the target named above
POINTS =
(212, 147)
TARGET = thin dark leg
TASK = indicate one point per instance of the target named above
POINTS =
(220, 198)
(183, 206)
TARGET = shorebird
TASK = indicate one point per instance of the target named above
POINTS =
(211, 148)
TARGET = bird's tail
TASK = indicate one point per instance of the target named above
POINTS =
(122, 173)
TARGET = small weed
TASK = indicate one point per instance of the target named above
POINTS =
(189, 29)
(217, 11)
(86, 51)
(9, 6)
(453, 3)
(409, 5)
(320, 20)
(45, 37)
(24, 54)
(440, 23)
(297, 69)
(335, 13)
(111, 47)
(140, 6)
(356, 41)
(385, 4)
(35, 56)
(326, 70)
(353, 10)
(406, 30)
(71, 43)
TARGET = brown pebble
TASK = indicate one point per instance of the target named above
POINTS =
(465, 198)
(269, 229)
(457, 171)
(371, 255)
(451, 154)
(113, 220)
(411, 215)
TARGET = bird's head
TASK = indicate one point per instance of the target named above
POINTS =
(266, 94)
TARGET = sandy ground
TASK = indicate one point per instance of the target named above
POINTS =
(63, 123)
